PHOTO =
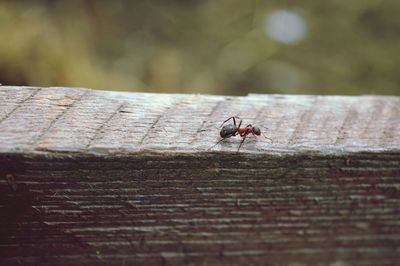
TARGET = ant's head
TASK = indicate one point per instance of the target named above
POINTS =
(256, 131)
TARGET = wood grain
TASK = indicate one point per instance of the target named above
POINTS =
(112, 178)
(81, 120)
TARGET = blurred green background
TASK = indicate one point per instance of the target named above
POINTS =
(215, 47)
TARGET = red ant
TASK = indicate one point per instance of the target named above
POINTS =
(232, 130)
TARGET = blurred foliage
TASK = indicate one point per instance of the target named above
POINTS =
(217, 47)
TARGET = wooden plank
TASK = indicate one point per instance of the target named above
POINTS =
(60, 119)
(129, 178)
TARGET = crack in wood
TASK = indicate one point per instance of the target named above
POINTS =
(98, 131)
(153, 125)
(305, 116)
(164, 113)
(201, 128)
(21, 103)
(282, 117)
(66, 109)
(390, 127)
(377, 110)
(259, 114)
(354, 118)
(351, 115)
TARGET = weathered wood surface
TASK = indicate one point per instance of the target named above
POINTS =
(126, 178)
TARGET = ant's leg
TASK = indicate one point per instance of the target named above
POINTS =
(232, 117)
(216, 143)
(240, 123)
(242, 142)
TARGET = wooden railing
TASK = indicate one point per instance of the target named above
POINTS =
(133, 178)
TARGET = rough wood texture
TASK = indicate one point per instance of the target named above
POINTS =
(129, 178)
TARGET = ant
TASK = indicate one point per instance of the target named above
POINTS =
(231, 130)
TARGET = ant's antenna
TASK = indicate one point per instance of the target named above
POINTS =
(272, 141)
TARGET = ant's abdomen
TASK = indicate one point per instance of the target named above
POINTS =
(227, 131)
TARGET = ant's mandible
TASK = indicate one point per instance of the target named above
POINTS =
(231, 130)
